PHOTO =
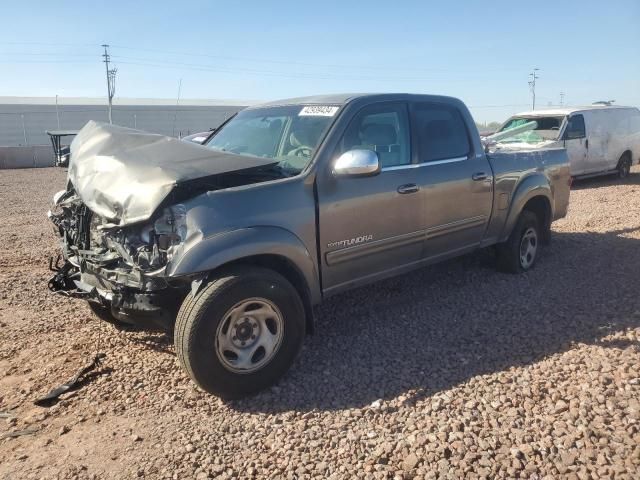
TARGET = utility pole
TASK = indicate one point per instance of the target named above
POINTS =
(111, 80)
(175, 112)
(532, 84)
(561, 99)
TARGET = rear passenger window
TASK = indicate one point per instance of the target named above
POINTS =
(440, 131)
(575, 127)
(382, 128)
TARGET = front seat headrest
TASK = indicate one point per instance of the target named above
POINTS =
(378, 134)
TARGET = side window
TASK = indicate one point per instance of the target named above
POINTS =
(575, 127)
(382, 128)
(440, 131)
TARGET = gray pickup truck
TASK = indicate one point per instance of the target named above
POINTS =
(232, 243)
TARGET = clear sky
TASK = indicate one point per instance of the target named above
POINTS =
(481, 52)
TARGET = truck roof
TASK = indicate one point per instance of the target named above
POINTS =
(344, 98)
(554, 112)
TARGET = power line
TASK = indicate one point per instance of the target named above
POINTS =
(288, 62)
(274, 73)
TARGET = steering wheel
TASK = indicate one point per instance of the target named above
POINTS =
(301, 151)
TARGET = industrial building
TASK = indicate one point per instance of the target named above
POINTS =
(25, 120)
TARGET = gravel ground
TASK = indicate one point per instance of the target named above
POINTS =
(451, 371)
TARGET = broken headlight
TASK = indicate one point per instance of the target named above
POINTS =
(170, 230)
(150, 245)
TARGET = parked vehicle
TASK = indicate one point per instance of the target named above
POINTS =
(287, 204)
(60, 150)
(599, 139)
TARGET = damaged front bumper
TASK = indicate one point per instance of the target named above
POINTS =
(129, 297)
(102, 269)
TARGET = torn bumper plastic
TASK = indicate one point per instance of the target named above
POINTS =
(135, 299)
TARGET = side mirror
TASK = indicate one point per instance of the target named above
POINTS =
(357, 163)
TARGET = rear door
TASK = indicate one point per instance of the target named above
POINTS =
(371, 226)
(576, 144)
(456, 182)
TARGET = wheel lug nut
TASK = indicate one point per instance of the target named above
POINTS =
(235, 338)
(254, 326)
(253, 337)
(243, 343)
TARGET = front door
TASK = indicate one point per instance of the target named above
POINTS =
(456, 182)
(371, 226)
(577, 145)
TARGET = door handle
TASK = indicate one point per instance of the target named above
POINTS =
(408, 188)
(479, 176)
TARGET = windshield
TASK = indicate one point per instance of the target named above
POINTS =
(288, 134)
(547, 128)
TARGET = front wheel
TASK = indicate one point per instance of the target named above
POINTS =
(520, 251)
(624, 166)
(241, 332)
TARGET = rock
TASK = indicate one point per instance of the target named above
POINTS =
(560, 407)
(410, 462)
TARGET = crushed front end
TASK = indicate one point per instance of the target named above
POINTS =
(119, 270)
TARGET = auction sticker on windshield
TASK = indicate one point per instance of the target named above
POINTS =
(319, 110)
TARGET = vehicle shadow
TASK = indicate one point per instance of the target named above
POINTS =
(157, 341)
(607, 181)
(438, 327)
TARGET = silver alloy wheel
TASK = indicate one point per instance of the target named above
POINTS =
(249, 335)
(528, 248)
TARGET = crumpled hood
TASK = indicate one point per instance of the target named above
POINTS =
(124, 174)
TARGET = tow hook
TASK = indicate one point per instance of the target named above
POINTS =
(61, 281)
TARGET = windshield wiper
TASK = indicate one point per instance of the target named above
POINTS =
(272, 171)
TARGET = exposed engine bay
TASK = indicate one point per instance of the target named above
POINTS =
(120, 269)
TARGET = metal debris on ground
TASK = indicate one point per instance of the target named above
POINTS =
(71, 384)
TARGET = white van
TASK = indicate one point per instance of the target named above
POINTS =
(600, 139)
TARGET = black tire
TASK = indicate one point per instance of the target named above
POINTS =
(509, 257)
(198, 321)
(103, 313)
(624, 166)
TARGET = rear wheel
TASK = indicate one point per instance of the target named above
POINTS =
(241, 332)
(624, 166)
(520, 252)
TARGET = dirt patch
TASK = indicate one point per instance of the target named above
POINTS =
(449, 371)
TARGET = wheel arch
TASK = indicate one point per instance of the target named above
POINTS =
(268, 247)
(627, 153)
(533, 194)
